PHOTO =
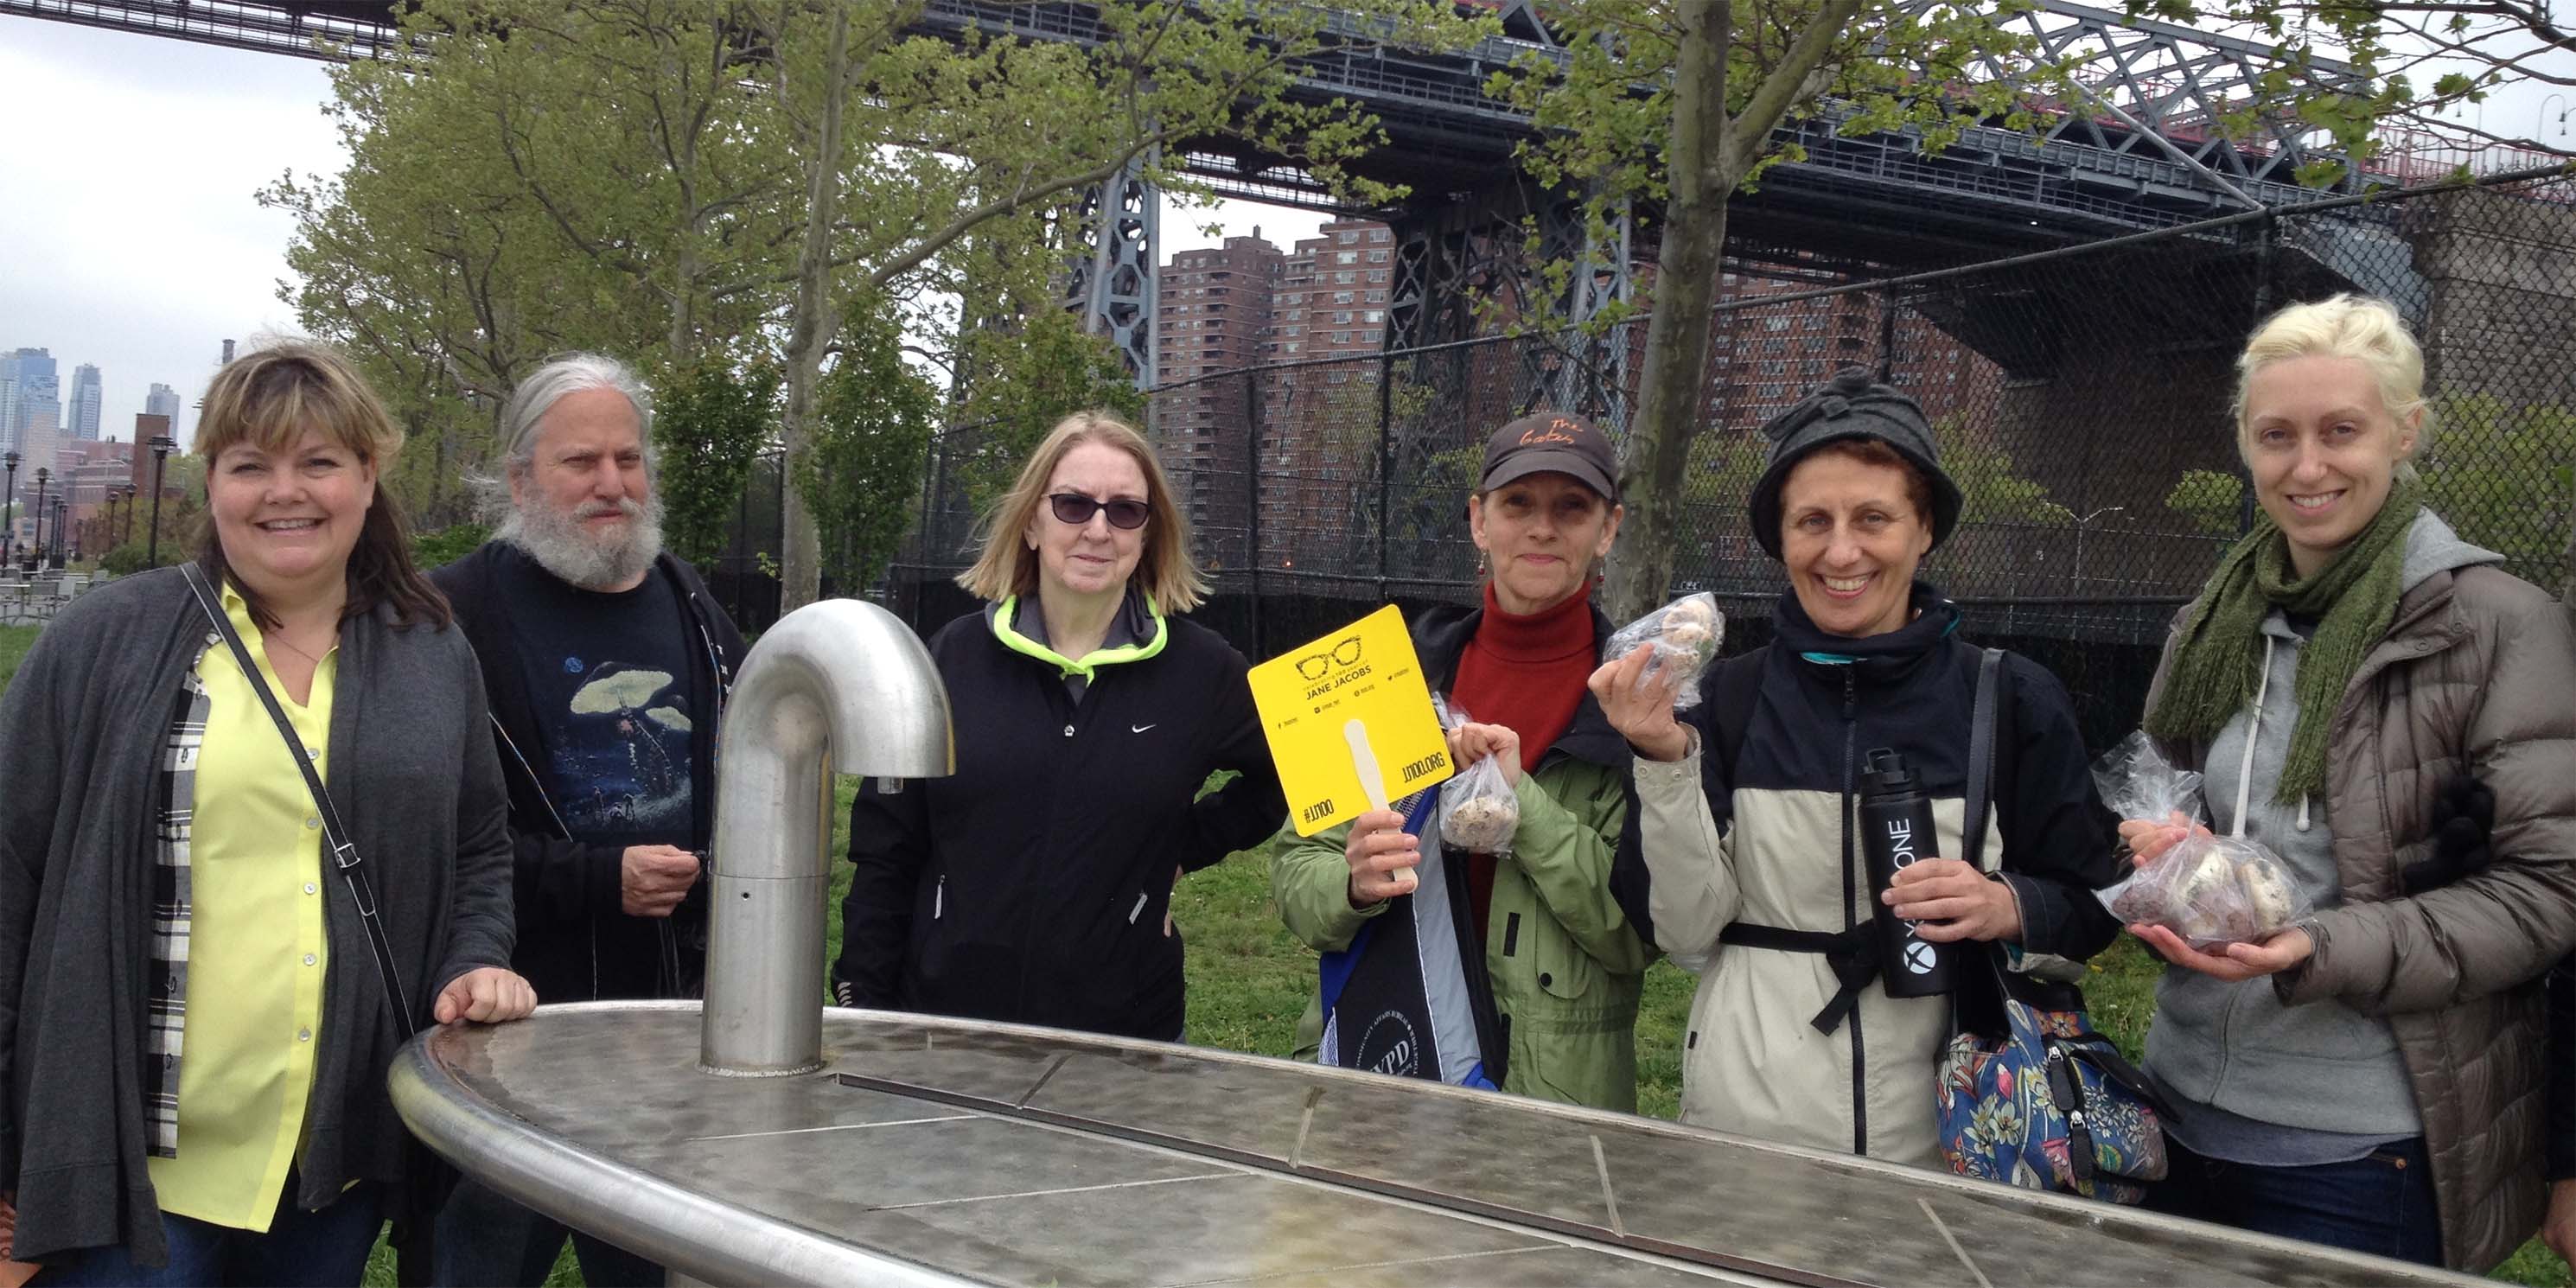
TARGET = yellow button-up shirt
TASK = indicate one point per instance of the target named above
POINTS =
(257, 950)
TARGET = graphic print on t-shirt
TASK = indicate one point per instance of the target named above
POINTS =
(621, 750)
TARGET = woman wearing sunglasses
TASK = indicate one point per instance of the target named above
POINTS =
(1034, 884)
(1563, 964)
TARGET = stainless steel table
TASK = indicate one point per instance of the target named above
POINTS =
(932, 1151)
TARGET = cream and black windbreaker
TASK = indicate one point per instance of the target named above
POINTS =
(1766, 836)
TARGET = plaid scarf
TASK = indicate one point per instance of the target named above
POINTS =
(166, 1007)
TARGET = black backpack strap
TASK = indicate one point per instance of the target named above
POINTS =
(1981, 754)
(1984, 1014)
(1732, 688)
(1852, 955)
(343, 852)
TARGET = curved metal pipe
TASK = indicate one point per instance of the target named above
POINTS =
(836, 685)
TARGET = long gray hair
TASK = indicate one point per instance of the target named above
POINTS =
(560, 378)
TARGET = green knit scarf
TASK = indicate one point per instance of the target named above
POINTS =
(2353, 599)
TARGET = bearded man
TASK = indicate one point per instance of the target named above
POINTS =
(607, 663)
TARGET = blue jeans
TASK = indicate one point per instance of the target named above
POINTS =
(2381, 1204)
(301, 1249)
(486, 1239)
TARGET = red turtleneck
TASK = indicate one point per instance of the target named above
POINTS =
(1527, 673)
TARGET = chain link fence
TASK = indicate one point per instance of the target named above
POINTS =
(2081, 396)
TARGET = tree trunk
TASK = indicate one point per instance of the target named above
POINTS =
(809, 331)
(1694, 243)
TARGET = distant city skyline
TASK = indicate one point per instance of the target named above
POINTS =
(33, 393)
(145, 276)
(81, 406)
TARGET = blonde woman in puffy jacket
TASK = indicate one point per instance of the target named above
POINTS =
(2370, 1078)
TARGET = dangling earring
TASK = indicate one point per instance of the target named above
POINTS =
(1480, 565)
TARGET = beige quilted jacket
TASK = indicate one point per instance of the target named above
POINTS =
(2479, 673)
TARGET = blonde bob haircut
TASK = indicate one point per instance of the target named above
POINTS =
(1172, 583)
(268, 398)
(2366, 330)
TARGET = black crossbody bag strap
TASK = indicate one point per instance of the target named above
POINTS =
(343, 852)
(1981, 755)
(1980, 792)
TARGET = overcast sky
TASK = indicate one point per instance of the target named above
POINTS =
(128, 233)
(128, 237)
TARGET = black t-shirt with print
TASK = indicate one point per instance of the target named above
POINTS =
(610, 679)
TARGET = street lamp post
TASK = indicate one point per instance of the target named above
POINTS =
(128, 535)
(66, 541)
(8, 507)
(43, 476)
(161, 445)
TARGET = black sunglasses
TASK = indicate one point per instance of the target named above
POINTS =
(1076, 509)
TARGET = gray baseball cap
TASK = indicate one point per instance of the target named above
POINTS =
(1551, 442)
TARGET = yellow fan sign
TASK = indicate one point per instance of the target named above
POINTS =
(1349, 721)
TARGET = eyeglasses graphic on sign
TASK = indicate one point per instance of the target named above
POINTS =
(1313, 665)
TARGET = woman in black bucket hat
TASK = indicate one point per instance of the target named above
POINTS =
(1746, 802)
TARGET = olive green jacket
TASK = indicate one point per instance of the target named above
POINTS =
(1565, 961)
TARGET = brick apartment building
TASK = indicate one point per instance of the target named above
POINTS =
(1764, 358)
(1318, 314)
(1213, 311)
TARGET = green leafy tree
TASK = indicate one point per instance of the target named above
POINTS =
(1674, 103)
(2504, 475)
(2414, 66)
(124, 559)
(447, 545)
(723, 172)
(1991, 490)
(1026, 380)
(2208, 502)
(709, 420)
(863, 481)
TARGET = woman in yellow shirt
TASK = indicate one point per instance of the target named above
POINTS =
(193, 1030)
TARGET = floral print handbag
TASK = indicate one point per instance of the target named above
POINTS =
(2028, 1092)
(2049, 1105)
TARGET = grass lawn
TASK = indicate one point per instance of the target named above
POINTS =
(14, 643)
(1248, 983)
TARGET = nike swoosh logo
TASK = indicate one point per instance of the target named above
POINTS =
(1138, 728)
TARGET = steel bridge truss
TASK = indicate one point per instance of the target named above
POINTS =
(2149, 88)
(2144, 142)
(328, 29)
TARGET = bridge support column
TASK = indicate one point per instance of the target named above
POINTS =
(1111, 281)
(1587, 375)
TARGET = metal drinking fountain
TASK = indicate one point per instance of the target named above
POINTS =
(836, 686)
(763, 1139)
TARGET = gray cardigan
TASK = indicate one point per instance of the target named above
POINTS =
(414, 774)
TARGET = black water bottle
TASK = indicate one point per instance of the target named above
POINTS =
(1896, 830)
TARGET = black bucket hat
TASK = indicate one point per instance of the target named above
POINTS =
(1851, 405)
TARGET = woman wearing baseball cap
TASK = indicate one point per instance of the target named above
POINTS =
(1562, 963)
(1745, 803)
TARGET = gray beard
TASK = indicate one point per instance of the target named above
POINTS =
(555, 539)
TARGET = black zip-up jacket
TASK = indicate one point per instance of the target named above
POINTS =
(2562, 1070)
(1785, 793)
(1031, 884)
(576, 942)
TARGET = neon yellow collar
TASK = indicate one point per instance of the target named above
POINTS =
(1089, 664)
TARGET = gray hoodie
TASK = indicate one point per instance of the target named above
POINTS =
(2313, 1083)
